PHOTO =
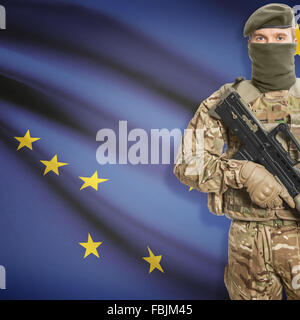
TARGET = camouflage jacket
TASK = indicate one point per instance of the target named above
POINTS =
(202, 162)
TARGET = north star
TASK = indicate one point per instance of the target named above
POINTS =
(124, 310)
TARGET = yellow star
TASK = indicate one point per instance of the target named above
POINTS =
(53, 165)
(90, 246)
(297, 33)
(26, 141)
(191, 188)
(154, 261)
(92, 181)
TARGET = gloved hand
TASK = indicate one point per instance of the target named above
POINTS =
(262, 186)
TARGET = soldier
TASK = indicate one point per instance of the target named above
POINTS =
(264, 236)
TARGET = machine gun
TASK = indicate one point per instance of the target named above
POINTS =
(259, 145)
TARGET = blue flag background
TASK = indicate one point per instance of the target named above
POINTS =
(69, 68)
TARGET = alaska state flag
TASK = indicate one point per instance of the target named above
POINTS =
(71, 227)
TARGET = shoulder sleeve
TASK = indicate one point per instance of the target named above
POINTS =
(200, 162)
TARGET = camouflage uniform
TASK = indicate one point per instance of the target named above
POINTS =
(264, 244)
(260, 259)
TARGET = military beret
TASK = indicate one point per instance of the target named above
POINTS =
(273, 15)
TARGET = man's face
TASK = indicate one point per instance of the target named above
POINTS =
(268, 35)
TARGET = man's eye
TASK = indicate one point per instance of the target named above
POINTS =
(260, 38)
(280, 38)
